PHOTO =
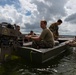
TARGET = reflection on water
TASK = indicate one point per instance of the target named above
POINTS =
(65, 65)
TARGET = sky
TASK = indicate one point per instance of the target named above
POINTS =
(28, 14)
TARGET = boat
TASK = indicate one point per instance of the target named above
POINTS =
(41, 55)
(11, 46)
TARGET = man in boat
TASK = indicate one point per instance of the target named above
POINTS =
(72, 43)
(10, 26)
(29, 34)
(46, 39)
(32, 33)
(54, 28)
(20, 36)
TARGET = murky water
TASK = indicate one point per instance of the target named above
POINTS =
(65, 65)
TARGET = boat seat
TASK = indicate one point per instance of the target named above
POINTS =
(27, 44)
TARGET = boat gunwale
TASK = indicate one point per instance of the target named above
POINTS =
(41, 50)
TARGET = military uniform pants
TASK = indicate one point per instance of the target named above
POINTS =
(41, 44)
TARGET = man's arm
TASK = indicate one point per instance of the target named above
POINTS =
(35, 38)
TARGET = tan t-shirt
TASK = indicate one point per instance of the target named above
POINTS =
(47, 36)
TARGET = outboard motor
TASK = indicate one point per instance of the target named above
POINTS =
(8, 40)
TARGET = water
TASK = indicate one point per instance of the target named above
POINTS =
(64, 65)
